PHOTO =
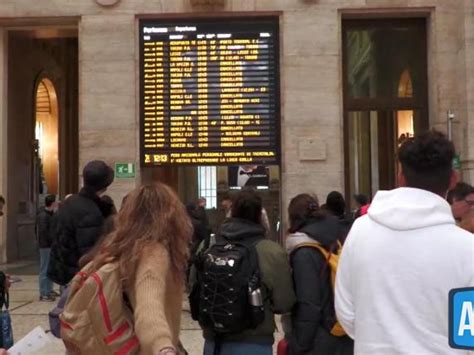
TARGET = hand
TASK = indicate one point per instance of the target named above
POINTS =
(3, 352)
(164, 351)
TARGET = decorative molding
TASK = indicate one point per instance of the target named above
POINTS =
(208, 2)
(107, 2)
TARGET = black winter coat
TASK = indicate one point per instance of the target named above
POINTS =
(314, 311)
(44, 228)
(79, 225)
(200, 233)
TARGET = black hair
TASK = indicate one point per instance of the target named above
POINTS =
(109, 202)
(459, 192)
(191, 208)
(2, 199)
(107, 199)
(247, 205)
(226, 197)
(427, 161)
(361, 199)
(302, 209)
(49, 200)
(336, 204)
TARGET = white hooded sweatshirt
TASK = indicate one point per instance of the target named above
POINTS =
(397, 267)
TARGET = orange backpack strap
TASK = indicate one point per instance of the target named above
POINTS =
(316, 246)
(336, 329)
(326, 254)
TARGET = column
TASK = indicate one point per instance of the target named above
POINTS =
(108, 109)
(3, 140)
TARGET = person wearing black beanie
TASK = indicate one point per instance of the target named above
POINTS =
(80, 222)
(97, 176)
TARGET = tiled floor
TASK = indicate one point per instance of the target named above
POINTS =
(27, 312)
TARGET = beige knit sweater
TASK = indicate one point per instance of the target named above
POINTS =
(156, 297)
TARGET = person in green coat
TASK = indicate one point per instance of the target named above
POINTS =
(277, 290)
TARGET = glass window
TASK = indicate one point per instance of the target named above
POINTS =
(373, 141)
(385, 98)
(362, 150)
(207, 182)
(377, 56)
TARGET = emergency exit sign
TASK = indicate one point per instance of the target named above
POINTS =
(125, 170)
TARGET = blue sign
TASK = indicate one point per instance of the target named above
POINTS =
(461, 318)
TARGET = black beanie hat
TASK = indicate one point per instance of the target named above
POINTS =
(97, 175)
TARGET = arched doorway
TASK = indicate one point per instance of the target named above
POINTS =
(47, 137)
(405, 122)
(42, 108)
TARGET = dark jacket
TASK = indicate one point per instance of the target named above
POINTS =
(201, 214)
(200, 231)
(200, 234)
(314, 311)
(277, 290)
(44, 228)
(79, 226)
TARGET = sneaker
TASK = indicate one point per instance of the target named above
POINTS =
(54, 294)
(47, 299)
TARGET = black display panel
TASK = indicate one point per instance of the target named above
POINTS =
(209, 92)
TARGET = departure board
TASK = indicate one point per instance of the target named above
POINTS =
(209, 92)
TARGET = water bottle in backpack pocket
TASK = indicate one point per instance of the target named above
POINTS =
(257, 311)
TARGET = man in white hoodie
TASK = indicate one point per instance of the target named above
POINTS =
(401, 260)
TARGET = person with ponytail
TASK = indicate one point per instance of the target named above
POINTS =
(314, 313)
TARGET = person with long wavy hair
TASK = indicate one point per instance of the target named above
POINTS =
(150, 243)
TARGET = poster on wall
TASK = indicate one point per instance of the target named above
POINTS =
(257, 176)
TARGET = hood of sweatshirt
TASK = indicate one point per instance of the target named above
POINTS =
(237, 229)
(408, 209)
(324, 231)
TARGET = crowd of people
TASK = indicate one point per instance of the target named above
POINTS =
(374, 280)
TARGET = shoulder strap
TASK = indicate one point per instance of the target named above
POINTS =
(247, 242)
(319, 247)
(326, 254)
(251, 242)
(316, 246)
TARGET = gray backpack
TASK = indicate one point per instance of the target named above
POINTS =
(54, 323)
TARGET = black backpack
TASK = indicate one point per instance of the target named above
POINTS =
(227, 275)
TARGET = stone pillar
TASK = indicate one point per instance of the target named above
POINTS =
(311, 92)
(3, 139)
(468, 88)
(107, 101)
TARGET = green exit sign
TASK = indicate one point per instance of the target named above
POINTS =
(457, 162)
(125, 170)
